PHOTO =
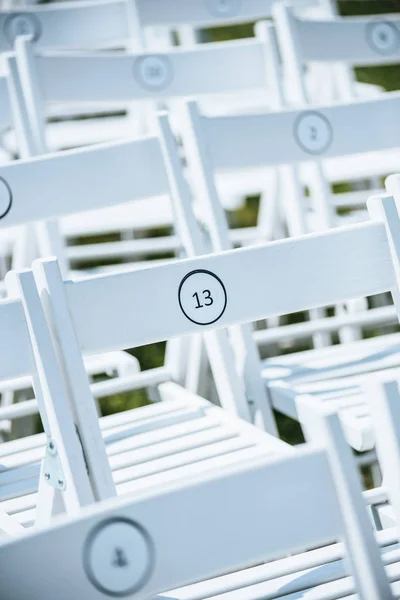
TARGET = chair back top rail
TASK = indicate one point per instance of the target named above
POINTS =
(353, 40)
(293, 136)
(213, 508)
(109, 76)
(86, 24)
(194, 295)
(80, 180)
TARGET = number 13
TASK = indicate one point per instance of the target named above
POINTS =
(207, 296)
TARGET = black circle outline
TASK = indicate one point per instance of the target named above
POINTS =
(219, 281)
(296, 124)
(37, 26)
(86, 556)
(138, 76)
(2, 215)
(215, 13)
(369, 31)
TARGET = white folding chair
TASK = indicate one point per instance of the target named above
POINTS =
(179, 534)
(336, 376)
(355, 41)
(80, 180)
(152, 316)
(234, 394)
(77, 69)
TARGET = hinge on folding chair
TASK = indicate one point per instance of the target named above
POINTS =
(52, 468)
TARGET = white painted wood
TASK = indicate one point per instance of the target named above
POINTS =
(353, 40)
(80, 401)
(331, 46)
(8, 525)
(383, 403)
(270, 139)
(113, 162)
(214, 65)
(246, 353)
(58, 420)
(84, 24)
(330, 258)
(5, 104)
(313, 514)
(324, 427)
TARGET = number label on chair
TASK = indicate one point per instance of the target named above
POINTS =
(118, 557)
(202, 297)
(153, 72)
(313, 132)
(223, 8)
(22, 24)
(383, 37)
(5, 198)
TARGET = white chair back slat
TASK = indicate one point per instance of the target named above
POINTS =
(354, 40)
(211, 509)
(329, 259)
(206, 69)
(105, 22)
(122, 173)
(58, 416)
(67, 24)
(295, 136)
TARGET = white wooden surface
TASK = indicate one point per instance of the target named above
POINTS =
(348, 263)
(69, 177)
(85, 24)
(312, 517)
(354, 40)
(271, 139)
(5, 107)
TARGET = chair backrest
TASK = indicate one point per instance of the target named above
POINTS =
(322, 503)
(89, 172)
(85, 24)
(18, 360)
(121, 77)
(348, 262)
(352, 40)
(287, 137)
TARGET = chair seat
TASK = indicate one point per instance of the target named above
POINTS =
(334, 376)
(146, 446)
